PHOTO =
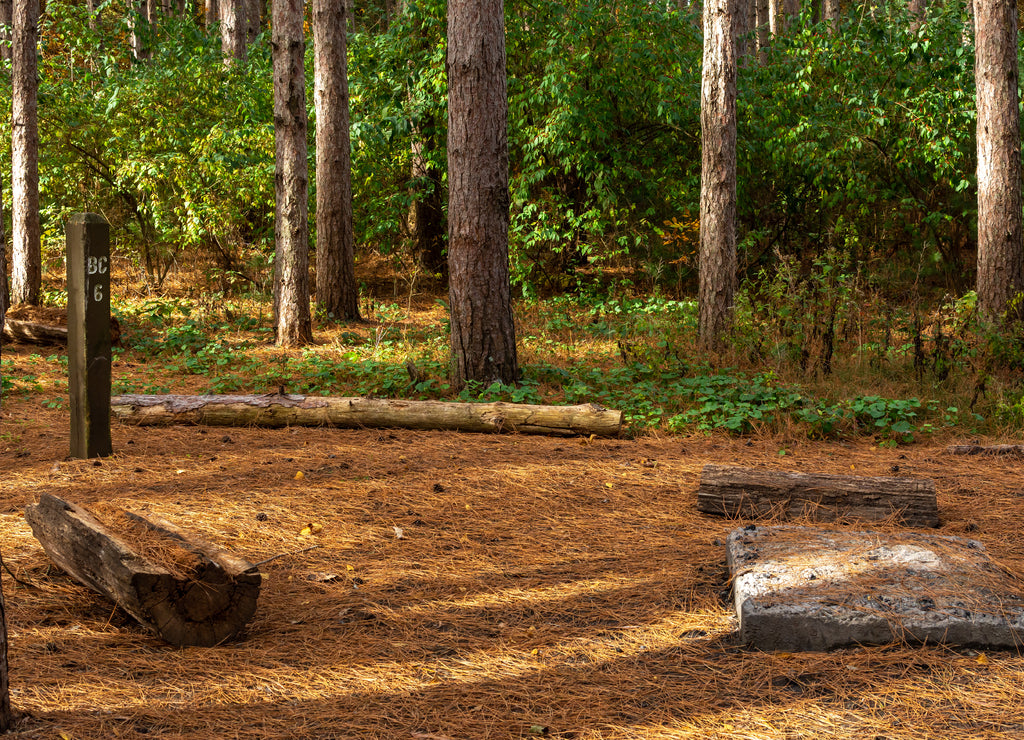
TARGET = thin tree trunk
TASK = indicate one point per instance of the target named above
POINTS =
(291, 227)
(253, 21)
(5, 288)
(212, 13)
(1000, 255)
(233, 23)
(427, 213)
(6, 715)
(743, 25)
(336, 290)
(482, 324)
(830, 13)
(27, 269)
(781, 14)
(717, 276)
(763, 28)
(6, 20)
(917, 10)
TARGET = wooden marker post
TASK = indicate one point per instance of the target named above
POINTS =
(88, 256)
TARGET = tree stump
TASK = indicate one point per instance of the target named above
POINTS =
(743, 492)
(209, 603)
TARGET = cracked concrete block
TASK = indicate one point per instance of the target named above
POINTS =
(803, 588)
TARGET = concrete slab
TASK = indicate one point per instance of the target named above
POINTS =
(802, 588)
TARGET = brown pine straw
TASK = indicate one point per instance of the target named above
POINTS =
(157, 547)
(540, 587)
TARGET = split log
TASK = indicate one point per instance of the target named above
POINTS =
(993, 450)
(206, 606)
(743, 492)
(278, 410)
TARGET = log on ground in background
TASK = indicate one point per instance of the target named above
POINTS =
(278, 410)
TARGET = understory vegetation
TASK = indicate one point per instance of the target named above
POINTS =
(895, 377)
(857, 210)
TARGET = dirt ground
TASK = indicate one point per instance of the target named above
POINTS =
(469, 587)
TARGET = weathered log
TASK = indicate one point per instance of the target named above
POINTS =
(743, 492)
(206, 606)
(993, 450)
(31, 332)
(277, 410)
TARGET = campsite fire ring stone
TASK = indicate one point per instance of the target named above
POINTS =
(801, 588)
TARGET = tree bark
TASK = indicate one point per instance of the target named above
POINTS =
(212, 13)
(7, 20)
(336, 291)
(291, 226)
(6, 715)
(1000, 249)
(830, 13)
(482, 325)
(746, 493)
(27, 267)
(233, 24)
(717, 270)
(762, 23)
(426, 218)
(253, 21)
(276, 410)
(917, 10)
(206, 606)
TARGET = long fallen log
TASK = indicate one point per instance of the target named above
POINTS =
(205, 604)
(748, 493)
(30, 332)
(33, 325)
(278, 410)
(990, 450)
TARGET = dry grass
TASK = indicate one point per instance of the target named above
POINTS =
(539, 586)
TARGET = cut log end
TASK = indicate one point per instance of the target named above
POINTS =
(209, 604)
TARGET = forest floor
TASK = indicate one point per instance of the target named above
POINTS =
(468, 587)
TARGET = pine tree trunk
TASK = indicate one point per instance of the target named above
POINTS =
(781, 14)
(917, 10)
(718, 175)
(427, 213)
(5, 290)
(1000, 255)
(253, 21)
(233, 23)
(291, 182)
(336, 290)
(212, 13)
(6, 716)
(482, 324)
(27, 267)
(6, 19)
(763, 28)
(830, 13)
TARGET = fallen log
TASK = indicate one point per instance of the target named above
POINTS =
(29, 332)
(747, 493)
(278, 410)
(993, 450)
(206, 603)
(34, 332)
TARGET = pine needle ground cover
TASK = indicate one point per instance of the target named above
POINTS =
(471, 586)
